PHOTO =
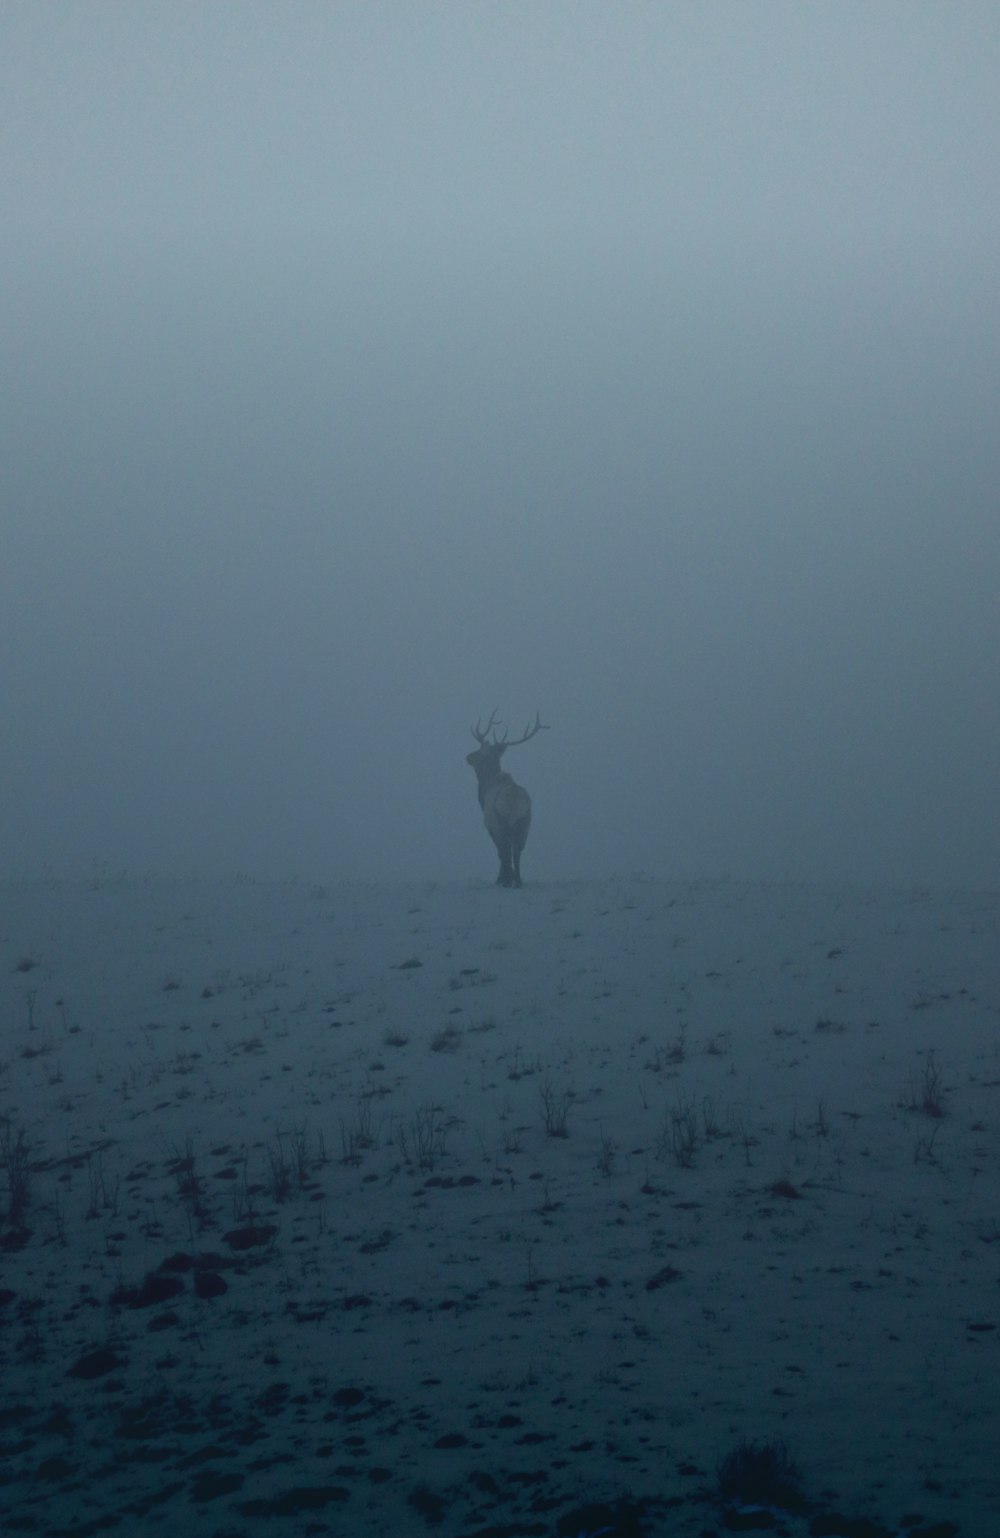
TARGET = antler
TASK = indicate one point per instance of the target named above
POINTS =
(481, 736)
(529, 732)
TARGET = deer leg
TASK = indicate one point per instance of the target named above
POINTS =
(506, 876)
(517, 843)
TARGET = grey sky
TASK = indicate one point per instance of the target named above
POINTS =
(371, 365)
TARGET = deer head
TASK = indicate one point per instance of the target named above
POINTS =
(487, 756)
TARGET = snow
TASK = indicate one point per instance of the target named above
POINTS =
(387, 1299)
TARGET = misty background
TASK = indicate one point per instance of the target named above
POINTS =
(368, 366)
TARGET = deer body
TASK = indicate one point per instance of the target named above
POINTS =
(506, 805)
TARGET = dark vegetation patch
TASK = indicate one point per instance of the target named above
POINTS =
(147, 1503)
(155, 1289)
(94, 1364)
(662, 1278)
(786, 1189)
(250, 1236)
(513, 1530)
(55, 1468)
(303, 1498)
(623, 1520)
(182, 1262)
(832, 1525)
(348, 1397)
(274, 1398)
(209, 1284)
(761, 1472)
(167, 1321)
(211, 1485)
(430, 1506)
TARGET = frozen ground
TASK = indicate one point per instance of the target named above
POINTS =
(393, 1210)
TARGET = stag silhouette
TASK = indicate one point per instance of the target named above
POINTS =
(506, 805)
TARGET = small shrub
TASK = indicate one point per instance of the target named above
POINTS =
(678, 1138)
(555, 1108)
(279, 1171)
(298, 1140)
(927, 1089)
(100, 1194)
(741, 1133)
(14, 1159)
(677, 1049)
(190, 1187)
(359, 1133)
(606, 1156)
(447, 1039)
(761, 1473)
(923, 1146)
(422, 1141)
(288, 1161)
(785, 1188)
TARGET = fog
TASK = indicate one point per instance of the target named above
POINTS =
(368, 367)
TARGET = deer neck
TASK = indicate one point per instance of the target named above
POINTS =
(487, 781)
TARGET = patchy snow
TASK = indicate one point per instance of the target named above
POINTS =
(386, 1209)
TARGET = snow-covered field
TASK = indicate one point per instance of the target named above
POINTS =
(385, 1210)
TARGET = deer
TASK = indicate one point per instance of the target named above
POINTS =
(506, 805)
